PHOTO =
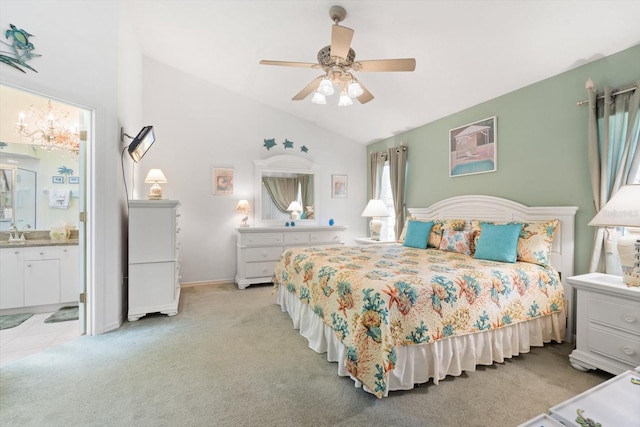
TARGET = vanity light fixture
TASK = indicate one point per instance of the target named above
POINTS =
(243, 206)
(155, 177)
(295, 208)
(375, 209)
(623, 210)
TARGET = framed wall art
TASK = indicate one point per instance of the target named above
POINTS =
(74, 180)
(222, 181)
(473, 148)
(59, 179)
(338, 185)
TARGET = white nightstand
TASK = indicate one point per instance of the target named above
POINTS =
(368, 241)
(607, 323)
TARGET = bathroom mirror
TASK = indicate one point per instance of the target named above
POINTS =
(279, 180)
(46, 180)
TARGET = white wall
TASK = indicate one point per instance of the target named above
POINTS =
(199, 125)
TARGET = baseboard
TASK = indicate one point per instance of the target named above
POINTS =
(207, 282)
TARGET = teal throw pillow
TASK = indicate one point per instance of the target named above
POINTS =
(417, 234)
(498, 242)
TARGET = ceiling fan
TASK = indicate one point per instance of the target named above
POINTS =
(338, 63)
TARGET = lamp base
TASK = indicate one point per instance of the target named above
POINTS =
(155, 192)
(629, 252)
(375, 226)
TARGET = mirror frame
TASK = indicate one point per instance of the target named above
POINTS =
(285, 163)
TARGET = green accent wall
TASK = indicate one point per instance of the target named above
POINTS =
(542, 155)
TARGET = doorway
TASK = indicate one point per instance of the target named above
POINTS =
(57, 169)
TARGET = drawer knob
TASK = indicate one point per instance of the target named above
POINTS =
(628, 351)
(265, 254)
(629, 318)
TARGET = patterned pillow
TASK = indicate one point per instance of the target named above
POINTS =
(534, 244)
(535, 241)
(456, 241)
(439, 225)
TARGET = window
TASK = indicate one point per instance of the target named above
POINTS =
(388, 231)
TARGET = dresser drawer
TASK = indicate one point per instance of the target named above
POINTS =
(262, 239)
(263, 254)
(614, 345)
(260, 269)
(615, 313)
(296, 239)
(325, 237)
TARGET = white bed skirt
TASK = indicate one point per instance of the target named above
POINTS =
(417, 364)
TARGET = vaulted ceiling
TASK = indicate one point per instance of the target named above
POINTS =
(466, 52)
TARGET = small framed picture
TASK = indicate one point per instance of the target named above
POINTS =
(57, 179)
(472, 148)
(338, 185)
(222, 181)
(74, 180)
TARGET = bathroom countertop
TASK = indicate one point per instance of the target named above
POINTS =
(38, 242)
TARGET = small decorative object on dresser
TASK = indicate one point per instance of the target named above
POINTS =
(259, 248)
(243, 206)
(607, 323)
(155, 177)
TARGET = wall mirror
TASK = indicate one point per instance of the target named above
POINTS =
(40, 172)
(280, 180)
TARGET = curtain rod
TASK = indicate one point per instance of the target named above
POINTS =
(579, 103)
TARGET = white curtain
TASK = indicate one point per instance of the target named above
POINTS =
(614, 155)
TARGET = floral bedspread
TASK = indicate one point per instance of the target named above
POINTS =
(379, 297)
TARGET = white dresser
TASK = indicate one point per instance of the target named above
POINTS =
(154, 284)
(607, 323)
(258, 248)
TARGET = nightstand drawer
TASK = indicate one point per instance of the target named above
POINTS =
(614, 345)
(260, 269)
(263, 254)
(614, 313)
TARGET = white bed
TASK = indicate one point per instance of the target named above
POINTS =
(416, 364)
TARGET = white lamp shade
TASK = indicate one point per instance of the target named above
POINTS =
(243, 205)
(344, 101)
(319, 98)
(375, 208)
(326, 87)
(295, 206)
(355, 90)
(155, 176)
(622, 210)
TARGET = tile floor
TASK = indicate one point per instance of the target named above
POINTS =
(33, 335)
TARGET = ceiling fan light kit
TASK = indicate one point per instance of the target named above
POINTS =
(337, 61)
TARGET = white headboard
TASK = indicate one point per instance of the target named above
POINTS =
(490, 208)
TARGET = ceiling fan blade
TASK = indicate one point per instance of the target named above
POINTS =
(404, 64)
(340, 41)
(308, 89)
(291, 64)
(366, 95)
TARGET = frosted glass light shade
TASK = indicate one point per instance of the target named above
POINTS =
(355, 90)
(326, 87)
(319, 98)
(345, 101)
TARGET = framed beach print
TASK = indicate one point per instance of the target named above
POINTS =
(57, 179)
(472, 148)
(74, 180)
(222, 181)
(338, 185)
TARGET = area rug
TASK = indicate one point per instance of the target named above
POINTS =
(63, 314)
(12, 320)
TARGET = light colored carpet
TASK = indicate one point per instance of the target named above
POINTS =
(232, 358)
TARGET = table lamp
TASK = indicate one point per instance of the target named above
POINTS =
(243, 206)
(375, 209)
(623, 210)
(295, 208)
(155, 177)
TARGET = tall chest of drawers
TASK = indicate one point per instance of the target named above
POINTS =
(258, 248)
(154, 279)
(607, 323)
